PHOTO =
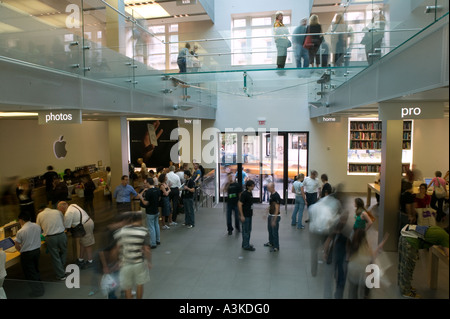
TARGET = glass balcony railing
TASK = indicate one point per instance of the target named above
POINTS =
(110, 42)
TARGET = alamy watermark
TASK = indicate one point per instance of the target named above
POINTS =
(73, 277)
(373, 277)
(209, 153)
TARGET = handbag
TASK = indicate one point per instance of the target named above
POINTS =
(289, 43)
(369, 213)
(78, 231)
(308, 43)
(108, 284)
(439, 191)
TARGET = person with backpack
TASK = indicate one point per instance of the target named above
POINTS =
(245, 206)
(439, 195)
(233, 189)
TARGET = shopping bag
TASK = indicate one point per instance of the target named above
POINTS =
(324, 215)
(108, 284)
(426, 216)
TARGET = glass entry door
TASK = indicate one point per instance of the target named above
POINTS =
(263, 158)
(297, 158)
(273, 164)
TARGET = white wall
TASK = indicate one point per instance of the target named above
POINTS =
(27, 147)
(221, 28)
(431, 146)
(224, 9)
(327, 141)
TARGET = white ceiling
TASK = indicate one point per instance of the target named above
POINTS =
(195, 12)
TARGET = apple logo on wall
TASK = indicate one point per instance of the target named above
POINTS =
(59, 148)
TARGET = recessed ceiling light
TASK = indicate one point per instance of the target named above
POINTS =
(17, 114)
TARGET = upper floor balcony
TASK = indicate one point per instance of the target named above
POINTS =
(136, 44)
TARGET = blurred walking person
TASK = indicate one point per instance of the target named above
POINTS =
(133, 241)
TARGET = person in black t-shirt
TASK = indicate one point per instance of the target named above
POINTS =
(273, 221)
(326, 187)
(48, 178)
(89, 188)
(188, 199)
(245, 206)
(150, 200)
(408, 213)
(60, 192)
(233, 190)
(24, 193)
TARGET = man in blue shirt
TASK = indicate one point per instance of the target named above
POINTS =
(299, 51)
(122, 195)
(244, 177)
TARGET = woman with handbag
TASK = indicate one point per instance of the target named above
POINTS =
(282, 42)
(313, 40)
(439, 195)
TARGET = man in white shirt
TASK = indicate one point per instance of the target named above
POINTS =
(51, 222)
(72, 214)
(174, 182)
(28, 242)
(311, 186)
(180, 172)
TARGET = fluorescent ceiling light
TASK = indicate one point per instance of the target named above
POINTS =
(148, 118)
(17, 114)
(41, 12)
(33, 7)
(146, 11)
(6, 28)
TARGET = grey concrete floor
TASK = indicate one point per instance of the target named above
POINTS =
(206, 263)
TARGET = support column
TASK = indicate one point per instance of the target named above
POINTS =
(115, 26)
(391, 174)
(118, 146)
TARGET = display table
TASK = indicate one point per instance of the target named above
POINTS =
(372, 186)
(376, 188)
(14, 258)
(436, 254)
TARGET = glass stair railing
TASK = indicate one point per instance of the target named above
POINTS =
(96, 40)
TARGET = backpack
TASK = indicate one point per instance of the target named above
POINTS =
(439, 191)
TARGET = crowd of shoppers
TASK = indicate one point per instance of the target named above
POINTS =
(126, 257)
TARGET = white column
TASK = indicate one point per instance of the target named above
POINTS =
(118, 145)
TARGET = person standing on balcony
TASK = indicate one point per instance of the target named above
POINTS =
(339, 39)
(182, 57)
(282, 42)
(298, 40)
(316, 39)
(193, 62)
(374, 34)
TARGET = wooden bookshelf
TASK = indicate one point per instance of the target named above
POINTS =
(365, 137)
